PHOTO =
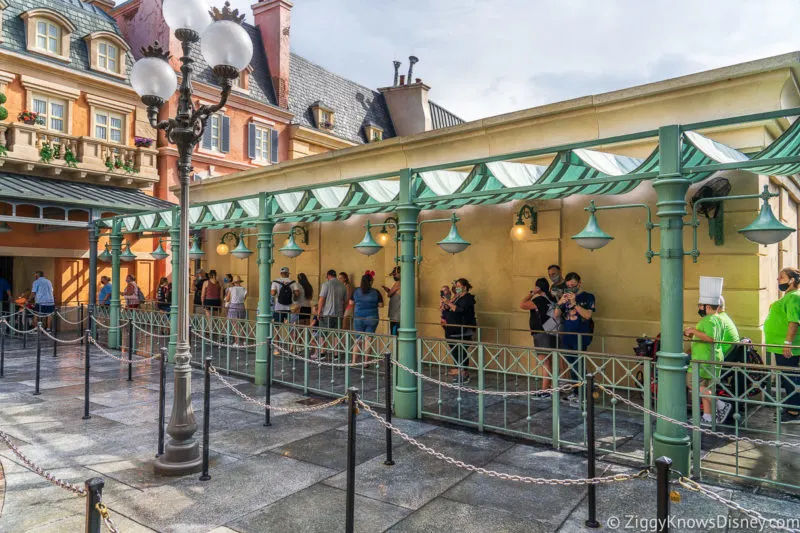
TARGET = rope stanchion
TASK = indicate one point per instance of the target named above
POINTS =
(214, 372)
(591, 521)
(352, 414)
(70, 322)
(206, 417)
(56, 340)
(103, 351)
(569, 482)
(691, 427)
(162, 399)
(20, 331)
(389, 386)
(106, 326)
(37, 392)
(30, 465)
(662, 493)
(86, 366)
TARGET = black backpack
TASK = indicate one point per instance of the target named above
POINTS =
(285, 295)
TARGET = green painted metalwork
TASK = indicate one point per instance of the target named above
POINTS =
(594, 231)
(116, 246)
(671, 188)
(264, 319)
(177, 283)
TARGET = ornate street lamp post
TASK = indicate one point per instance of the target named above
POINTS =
(227, 48)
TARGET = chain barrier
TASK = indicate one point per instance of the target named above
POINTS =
(56, 339)
(141, 361)
(275, 408)
(80, 491)
(563, 388)
(106, 326)
(693, 486)
(691, 427)
(616, 478)
(103, 511)
(70, 322)
(157, 335)
(283, 350)
(20, 331)
(223, 345)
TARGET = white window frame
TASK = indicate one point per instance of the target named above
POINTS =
(215, 121)
(108, 116)
(48, 113)
(262, 145)
(49, 39)
(104, 59)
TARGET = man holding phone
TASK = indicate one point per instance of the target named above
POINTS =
(575, 309)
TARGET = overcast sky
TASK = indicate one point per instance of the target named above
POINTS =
(484, 58)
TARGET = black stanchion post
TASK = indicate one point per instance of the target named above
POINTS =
(24, 326)
(206, 418)
(162, 400)
(130, 349)
(662, 494)
(3, 330)
(94, 494)
(352, 412)
(36, 392)
(80, 319)
(54, 333)
(591, 521)
(388, 362)
(268, 383)
(86, 366)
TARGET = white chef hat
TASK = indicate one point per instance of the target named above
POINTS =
(710, 290)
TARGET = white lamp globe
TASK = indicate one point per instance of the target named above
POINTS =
(226, 43)
(152, 76)
(186, 14)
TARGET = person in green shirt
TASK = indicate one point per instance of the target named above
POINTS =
(705, 347)
(730, 333)
(780, 330)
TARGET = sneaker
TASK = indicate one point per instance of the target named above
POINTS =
(723, 410)
(787, 417)
(546, 397)
(705, 420)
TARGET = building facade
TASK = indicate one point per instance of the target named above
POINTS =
(75, 142)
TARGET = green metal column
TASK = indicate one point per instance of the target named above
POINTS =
(671, 187)
(405, 393)
(116, 248)
(177, 280)
(264, 319)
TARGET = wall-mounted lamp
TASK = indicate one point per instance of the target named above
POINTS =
(195, 252)
(518, 231)
(766, 229)
(453, 243)
(368, 246)
(592, 237)
(291, 249)
(383, 234)
(105, 256)
(159, 253)
(240, 250)
(127, 256)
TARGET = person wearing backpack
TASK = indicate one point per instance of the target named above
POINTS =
(575, 309)
(543, 326)
(285, 291)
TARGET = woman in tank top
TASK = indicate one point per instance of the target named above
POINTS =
(212, 293)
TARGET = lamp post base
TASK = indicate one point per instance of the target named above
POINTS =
(179, 459)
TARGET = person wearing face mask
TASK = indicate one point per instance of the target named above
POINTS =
(461, 325)
(705, 338)
(393, 293)
(541, 323)
(575, 310)
(227, 283)
(557, 283)
(780, 333)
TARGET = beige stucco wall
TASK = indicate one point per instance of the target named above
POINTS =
(502, 270)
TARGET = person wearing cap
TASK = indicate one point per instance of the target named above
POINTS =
(285, 291)
(706, 347)
(780, 335)
(393, 294)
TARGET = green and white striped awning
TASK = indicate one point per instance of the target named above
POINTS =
(577, 171)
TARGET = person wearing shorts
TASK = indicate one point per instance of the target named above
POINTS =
(42, 297)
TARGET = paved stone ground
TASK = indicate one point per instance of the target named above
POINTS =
(289, 477)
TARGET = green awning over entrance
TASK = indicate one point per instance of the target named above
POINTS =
(573, 170)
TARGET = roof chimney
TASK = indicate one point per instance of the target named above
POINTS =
(411, 61)
(273, 19)
(396, 72)
(105, 5)
(402, 79)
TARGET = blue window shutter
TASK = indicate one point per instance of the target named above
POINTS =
(273, 145)
(226, 135)
(251, 141)
(206, 143)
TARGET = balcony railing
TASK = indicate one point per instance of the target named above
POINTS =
(76, 157)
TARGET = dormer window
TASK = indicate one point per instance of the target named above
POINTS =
(107, 53)
(374, 132)
(48, 32)
(323, 115)
(242, 83)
